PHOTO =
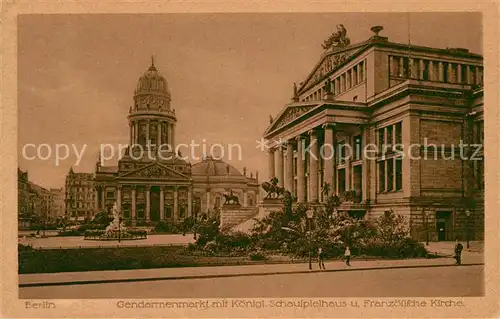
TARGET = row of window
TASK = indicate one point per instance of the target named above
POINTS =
(141, 135)
(431, 70)
(389, 136)
(341, 83)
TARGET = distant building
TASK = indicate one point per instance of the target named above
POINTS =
(80, 196)
(165, 187)
(57, 202)
(384, 93)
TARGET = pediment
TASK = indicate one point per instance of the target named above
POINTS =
(328, 63)
(289, 114)
(154, 171)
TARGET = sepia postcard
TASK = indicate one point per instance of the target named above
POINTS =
(257, 159)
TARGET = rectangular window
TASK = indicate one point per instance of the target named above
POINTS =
(399, 173)
(390, 175)
(348, 84)
(464, 74)
(381, 139)
(445, 72)
(389, 137)
(399, 133)
(361, 71)
(355, 76)
(342, 152)
(381, 176)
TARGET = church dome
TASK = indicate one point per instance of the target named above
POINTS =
(152, 81)
(211, 167)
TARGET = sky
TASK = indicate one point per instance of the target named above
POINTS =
(226, 72)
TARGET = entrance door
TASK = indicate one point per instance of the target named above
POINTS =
(155, 203)
(441, 230)
(444, 225)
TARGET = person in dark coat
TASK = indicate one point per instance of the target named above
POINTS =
(321, 258)
(458, 252)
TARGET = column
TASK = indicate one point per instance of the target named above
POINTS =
(245, 198)
(289, 167)
(451, 76)
(162, 202)
(401, 66)
(176, 203)
(131, 129)
(421, 70)
(459, 73)
(478, 76)
(148, 193)
(279, 166)
(300, 170)
(432, 71)
(469, 75)
(413, 68)
(271, 163)
(329, 154)
(147, 132)
(440, 72)
(348, 166)
(365, 168)
(313, 166)
(136, 132)
(209, 200)
(190, 202)
(119, 196)
(169, 134)
(158, 133)
(133, 202)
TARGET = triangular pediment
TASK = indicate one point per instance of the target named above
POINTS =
(289, 114)
(328, 63)
(154, 171)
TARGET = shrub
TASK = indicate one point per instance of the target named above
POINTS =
(166, 227)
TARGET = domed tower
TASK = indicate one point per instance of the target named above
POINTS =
(151, 119)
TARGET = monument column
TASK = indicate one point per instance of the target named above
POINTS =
(190, 201)
(176, 201)
(133, 202)
(271, 163)
(289, 167)
(329, 154)
(162, 202)
(148, 193)
(279, 166)
(313, 166)
(300, 170)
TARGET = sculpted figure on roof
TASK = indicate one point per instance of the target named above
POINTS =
(337, 39)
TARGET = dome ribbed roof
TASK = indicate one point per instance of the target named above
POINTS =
(214, 167)
(152, 81)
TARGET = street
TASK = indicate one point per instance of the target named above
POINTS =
(460, 281)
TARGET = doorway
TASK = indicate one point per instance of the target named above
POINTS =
(444, 225)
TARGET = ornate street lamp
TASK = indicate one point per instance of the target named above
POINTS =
(467, 213)
(310, 215)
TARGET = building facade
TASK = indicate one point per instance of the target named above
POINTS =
(80, 197)
(381, 123)
(152, 181)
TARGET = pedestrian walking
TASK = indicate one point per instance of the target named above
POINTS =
(347, 256)
(458, 252)
(321, 257)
